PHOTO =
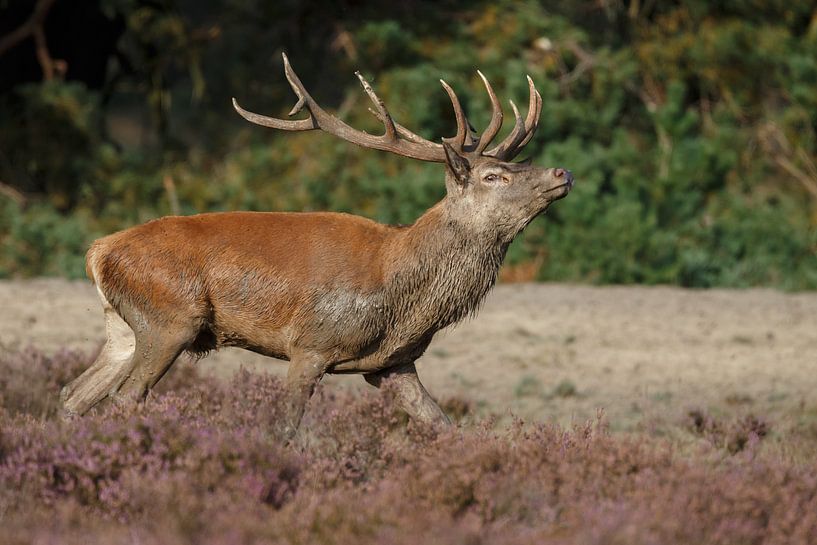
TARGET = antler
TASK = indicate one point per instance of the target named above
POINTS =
(398, 139)
(523, 130)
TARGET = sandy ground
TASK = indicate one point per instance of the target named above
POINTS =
(547, 351)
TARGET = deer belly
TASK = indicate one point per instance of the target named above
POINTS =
(389, 353)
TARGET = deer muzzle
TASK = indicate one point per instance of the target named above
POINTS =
(561, 182)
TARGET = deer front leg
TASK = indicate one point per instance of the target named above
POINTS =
(304, 373)
(411, 394)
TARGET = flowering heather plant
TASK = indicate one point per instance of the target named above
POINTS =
(207, 464)
(735, 436)
(30, 381)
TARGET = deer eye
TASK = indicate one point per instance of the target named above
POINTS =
(493, 178)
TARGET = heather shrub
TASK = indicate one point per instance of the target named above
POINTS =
(205, 463)
(30, 381)
(734, 435)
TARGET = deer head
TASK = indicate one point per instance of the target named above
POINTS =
(485, 189)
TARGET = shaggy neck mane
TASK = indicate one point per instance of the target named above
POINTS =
(441, 270)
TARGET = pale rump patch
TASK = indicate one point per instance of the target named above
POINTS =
(121, 341)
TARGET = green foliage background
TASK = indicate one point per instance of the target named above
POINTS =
(689, 126)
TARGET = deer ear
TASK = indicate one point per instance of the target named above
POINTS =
(457, 164)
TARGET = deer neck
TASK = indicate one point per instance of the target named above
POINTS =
(441, 268)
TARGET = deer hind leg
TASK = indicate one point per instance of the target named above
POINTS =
(304, 373)
(157, 347)
(108, 370)
(410, 393)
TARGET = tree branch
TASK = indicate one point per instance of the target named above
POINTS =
(809, 183)
(779, 149)
(12, 194)
(33, 27)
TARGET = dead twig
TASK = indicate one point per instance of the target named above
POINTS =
(12, 193)
(779, 149)
(808, 182)
(172, 196)
(586, 62)
(33, 28)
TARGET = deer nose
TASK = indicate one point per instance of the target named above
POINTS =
(566, 174)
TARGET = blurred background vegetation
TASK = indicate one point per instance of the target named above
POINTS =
(689, 125)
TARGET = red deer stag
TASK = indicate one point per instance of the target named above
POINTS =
(331, 293)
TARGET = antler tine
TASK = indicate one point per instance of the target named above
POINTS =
(532, 130)
(401, 130)
(459, 113)
(534, 111)
(274, 123)
(383, 113)
(501, 150)
(284, 124)
(523, 129)
(296, 85)
(496, 117)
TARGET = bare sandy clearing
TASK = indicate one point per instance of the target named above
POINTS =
(547, 351)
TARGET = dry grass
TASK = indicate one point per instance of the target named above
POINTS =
(642, 354)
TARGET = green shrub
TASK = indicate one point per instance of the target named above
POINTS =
(682, 123)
